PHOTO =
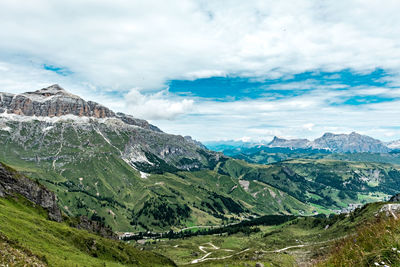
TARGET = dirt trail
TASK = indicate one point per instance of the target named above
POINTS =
(213, 247)
(302, 245)
(205, 249)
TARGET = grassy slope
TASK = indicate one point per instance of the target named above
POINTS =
(309, 232)
(326, 184)
(27, 233)
(377, 242)
(90, 177)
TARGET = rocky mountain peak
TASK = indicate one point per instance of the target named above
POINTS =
(326, 135)
(52, 101)
(277, 139)
(53, 90)
(353, 142)
(55, 101)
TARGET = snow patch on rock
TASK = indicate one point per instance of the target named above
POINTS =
(144, 175)
(48, 128)
(244, 184)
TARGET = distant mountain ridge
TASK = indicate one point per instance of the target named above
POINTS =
(336, 143)
(290, 143)
(353, 143)
(328, 142)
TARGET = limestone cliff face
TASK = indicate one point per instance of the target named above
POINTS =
(51, 102)
(352, 143)
(12, 182)
(54, 101)
(336, 143)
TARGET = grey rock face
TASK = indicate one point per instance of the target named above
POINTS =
(395, 198)
(338, 143)
(14, 183)
(353, 142)
(54, 101)
(128, 119)
(191, 140)
(96, 227)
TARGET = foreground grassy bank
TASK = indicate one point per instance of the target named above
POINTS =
(27, 237)
(374, 244)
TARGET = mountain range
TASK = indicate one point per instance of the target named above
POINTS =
(335, 143)
(330, 142)
(135, 177)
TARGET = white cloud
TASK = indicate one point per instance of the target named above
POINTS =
(233, 120)
(204, 74)
(308, 126)
(124, 44)
(156, 106)
(244, 139)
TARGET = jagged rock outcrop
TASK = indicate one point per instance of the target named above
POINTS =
(191, 140)
(96, 227)
(390, 210)
(128, 119)
(395, 198)
(52, 101)
(12, 182)
(353, 142)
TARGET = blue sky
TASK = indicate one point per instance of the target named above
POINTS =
(242, 70)
(237, 88)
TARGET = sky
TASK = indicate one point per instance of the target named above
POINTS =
(215, 70)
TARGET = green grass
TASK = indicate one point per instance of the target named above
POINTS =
(375, 242)
(316, 234)
(57, 244)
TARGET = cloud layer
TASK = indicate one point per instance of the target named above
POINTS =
(143, 44)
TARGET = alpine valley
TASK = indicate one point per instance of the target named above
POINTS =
(84, 166)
